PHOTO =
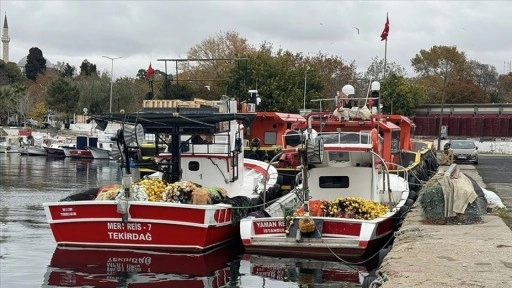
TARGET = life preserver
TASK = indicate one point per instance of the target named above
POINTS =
(375, 140)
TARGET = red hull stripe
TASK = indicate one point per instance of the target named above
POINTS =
(257, 168)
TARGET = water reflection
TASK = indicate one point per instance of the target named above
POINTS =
(75, 267)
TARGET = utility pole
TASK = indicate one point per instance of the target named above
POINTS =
(111, 77)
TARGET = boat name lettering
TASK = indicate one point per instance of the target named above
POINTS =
(67, 211)
(129, 236)
(134, 260)
(113, 268)
(269, 272)
(122, 226)
(270, 224)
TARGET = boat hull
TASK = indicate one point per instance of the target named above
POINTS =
(150, 225)
(55, 152)
(333, 238)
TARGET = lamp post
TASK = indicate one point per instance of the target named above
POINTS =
(305, 87)
(112, 77)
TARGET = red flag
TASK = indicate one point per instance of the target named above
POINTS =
(385, 32)
(150, 71)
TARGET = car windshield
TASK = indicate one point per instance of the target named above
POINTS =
(463, 145)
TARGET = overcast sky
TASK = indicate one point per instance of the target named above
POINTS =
(144, 31)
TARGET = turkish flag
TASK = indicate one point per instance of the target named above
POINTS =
(150, 72)
(385, 32)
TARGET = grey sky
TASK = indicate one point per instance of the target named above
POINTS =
(144, 31)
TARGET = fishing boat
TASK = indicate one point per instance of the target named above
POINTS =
(347, 202)
(97, 267)
(202, 192)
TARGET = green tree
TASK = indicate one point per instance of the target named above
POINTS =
(7, 103)
(66, 70)
(36, 64)
(400, 96)
(94, 93)
(10, 73)
(88, 69)
(279, 78)
(63, 96)
(128, 94)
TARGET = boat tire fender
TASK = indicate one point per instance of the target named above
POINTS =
(413, 195)
(368, 280)
(254, 156)
(255, 143)
(8, 148)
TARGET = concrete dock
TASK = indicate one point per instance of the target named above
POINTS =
(476, 255)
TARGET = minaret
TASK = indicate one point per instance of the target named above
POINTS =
(5, 40)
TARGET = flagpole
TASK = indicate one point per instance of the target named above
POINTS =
(385, 58)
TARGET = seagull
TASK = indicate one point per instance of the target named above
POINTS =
(356, 29)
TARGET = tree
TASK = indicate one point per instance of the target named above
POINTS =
(128, 94)
(484, 75)
(36, 64)
(10, 73)
(66, 70)
(504, 88)
(333, 74)
(88, 69)
(376, 69)
(94, 93)
(279, 78)
(7, 103)
(400, 96)
(465, 91)
(221, 51)
(445, 62)
(63, 96)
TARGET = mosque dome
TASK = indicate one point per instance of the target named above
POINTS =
(23, 62)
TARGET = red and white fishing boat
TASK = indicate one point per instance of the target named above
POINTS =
(176, 223)
(347, 203)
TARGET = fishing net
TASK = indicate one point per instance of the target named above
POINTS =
(433, 204)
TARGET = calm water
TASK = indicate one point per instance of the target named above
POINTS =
(29, 256)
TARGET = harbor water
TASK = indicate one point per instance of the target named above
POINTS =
(29, 256)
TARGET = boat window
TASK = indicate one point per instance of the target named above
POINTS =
(395, 141)
(270, 137)
(193, 166)
(334, 182)
(337, 156)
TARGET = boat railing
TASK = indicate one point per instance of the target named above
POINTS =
(354, 138)
(208, 144)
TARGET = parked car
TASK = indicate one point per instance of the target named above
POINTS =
(464, 151)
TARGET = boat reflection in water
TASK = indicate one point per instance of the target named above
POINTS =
(312, 273)
(222, 267)
(83, 267)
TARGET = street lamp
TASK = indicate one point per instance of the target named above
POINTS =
(112, 77)
(305, 87)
